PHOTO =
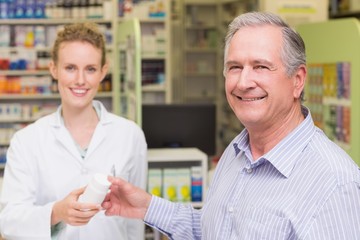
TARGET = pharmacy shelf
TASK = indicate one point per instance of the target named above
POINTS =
(153, 88)
(201, 2)
(330, 35)
(149, 27)
(52, 21)
(45, 96)
(199, 74)
(28, 96)
(178, 158)
(37, 49)
(201, 27)
(153, 20)
(152, 57)
(201, 50)
(17, 120)
(24, 72)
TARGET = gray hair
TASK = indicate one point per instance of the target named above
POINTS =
(293, 51)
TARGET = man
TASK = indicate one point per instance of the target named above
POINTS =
(280, 178)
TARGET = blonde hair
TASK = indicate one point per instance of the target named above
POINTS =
(84, 32)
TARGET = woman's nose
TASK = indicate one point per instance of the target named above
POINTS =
(81, 78)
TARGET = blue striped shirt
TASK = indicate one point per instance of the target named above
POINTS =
(306, 187)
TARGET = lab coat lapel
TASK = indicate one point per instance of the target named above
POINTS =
(100, 131)
(63, 136)
(97, 138)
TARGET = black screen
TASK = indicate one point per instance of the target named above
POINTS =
(180, 125)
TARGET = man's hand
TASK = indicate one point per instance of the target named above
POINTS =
(126, 200)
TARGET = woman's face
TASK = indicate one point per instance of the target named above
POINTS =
(78, 72)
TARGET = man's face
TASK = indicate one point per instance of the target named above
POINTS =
(257, 87)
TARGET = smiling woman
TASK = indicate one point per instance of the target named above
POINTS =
(79, 73)
(78, 64)
(50, 162)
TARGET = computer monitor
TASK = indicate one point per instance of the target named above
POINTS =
(180, 125)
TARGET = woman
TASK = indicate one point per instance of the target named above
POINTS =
(50, 161)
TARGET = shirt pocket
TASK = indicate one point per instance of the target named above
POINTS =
(263, 225)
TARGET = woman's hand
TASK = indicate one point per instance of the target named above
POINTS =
(72, 212)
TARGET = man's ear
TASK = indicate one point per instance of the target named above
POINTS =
(299, 81)
(53, 70)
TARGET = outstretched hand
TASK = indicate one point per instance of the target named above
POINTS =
(126, 200)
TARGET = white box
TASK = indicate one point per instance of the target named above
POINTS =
(184, 184)
(180, 158)
(155, 181)
(170, 184)
(296, 12)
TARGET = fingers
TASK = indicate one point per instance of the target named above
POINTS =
(106, 205)
(78, 191)
(82, 213)
(87, 206)
(75, 194)
(80, 217)
(116, 180)
(73, 212)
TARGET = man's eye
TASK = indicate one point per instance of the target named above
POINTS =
(261, 67)
(234, 67)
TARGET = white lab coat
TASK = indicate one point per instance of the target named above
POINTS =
(44, 166)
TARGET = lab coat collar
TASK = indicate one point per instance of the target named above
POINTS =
(104, 115)
(64, 137)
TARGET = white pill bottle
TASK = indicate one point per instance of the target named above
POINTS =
(96, 190)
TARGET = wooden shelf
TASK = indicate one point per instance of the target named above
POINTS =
(347, 14)
(24, 72)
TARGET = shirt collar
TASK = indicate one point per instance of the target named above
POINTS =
(285, 154)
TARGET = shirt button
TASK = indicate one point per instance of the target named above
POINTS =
(249, 170)
(231, 209)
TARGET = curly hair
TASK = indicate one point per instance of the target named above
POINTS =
(83, 32)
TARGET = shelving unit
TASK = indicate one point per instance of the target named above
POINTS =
(330, 35)
(156, 67)
(33, 68)
(201, 40)
(29, 90)
(111, 93)
(178, 158)
(155, 27)
(227, 123)
(128, 40)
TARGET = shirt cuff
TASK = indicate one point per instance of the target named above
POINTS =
(56, 229)
(160, 213)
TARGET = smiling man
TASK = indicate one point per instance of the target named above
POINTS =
(281, 177)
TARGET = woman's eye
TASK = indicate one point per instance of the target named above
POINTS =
(70, 68)
(91, 69)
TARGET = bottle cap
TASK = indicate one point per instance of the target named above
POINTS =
(100, 182)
